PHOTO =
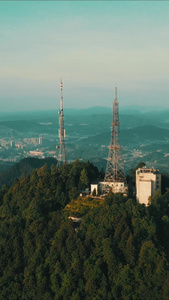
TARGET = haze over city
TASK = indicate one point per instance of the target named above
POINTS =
(93, 46)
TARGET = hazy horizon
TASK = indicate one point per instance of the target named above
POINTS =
(94, 46)
(124, 108)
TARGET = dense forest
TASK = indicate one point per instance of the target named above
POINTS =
(23, 167)
(119, 251)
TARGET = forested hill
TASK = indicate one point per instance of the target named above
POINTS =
(26, 165)
(120, 250)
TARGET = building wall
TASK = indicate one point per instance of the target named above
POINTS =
(148, 181)
(116, 187)
(144, 191)
(94, 186)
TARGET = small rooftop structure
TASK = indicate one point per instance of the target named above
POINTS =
(94, 187)
(75, 219)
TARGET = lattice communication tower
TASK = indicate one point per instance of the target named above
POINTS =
(62, 152)
(115, 167)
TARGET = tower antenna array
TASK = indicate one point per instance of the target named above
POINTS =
(62, 152)
(115, 168)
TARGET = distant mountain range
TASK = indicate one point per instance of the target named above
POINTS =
(144, 133)
(43, 114)
(136, 135)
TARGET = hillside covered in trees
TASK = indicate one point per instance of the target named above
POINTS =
(24, 166)
(120, 250)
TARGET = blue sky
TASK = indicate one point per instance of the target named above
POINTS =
(92, 45)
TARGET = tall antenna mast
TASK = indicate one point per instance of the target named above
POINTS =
(115, 168)
(62, 152)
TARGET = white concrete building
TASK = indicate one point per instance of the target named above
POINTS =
(148, 181)
(94, 186)
(116, 187)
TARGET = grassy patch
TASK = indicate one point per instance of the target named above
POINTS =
(80, 206)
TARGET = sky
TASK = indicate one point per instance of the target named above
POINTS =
(92, 45)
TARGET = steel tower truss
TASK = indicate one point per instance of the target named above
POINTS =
(62, 152)
(115, 167)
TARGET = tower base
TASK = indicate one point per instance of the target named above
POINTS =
(115, 187)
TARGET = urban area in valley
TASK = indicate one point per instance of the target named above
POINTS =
(144, 136)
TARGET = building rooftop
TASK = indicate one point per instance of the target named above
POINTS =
(147, 170)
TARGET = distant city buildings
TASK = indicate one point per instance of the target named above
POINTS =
(34, 141)
(12, 144)
(148, 181)
(38, 154)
